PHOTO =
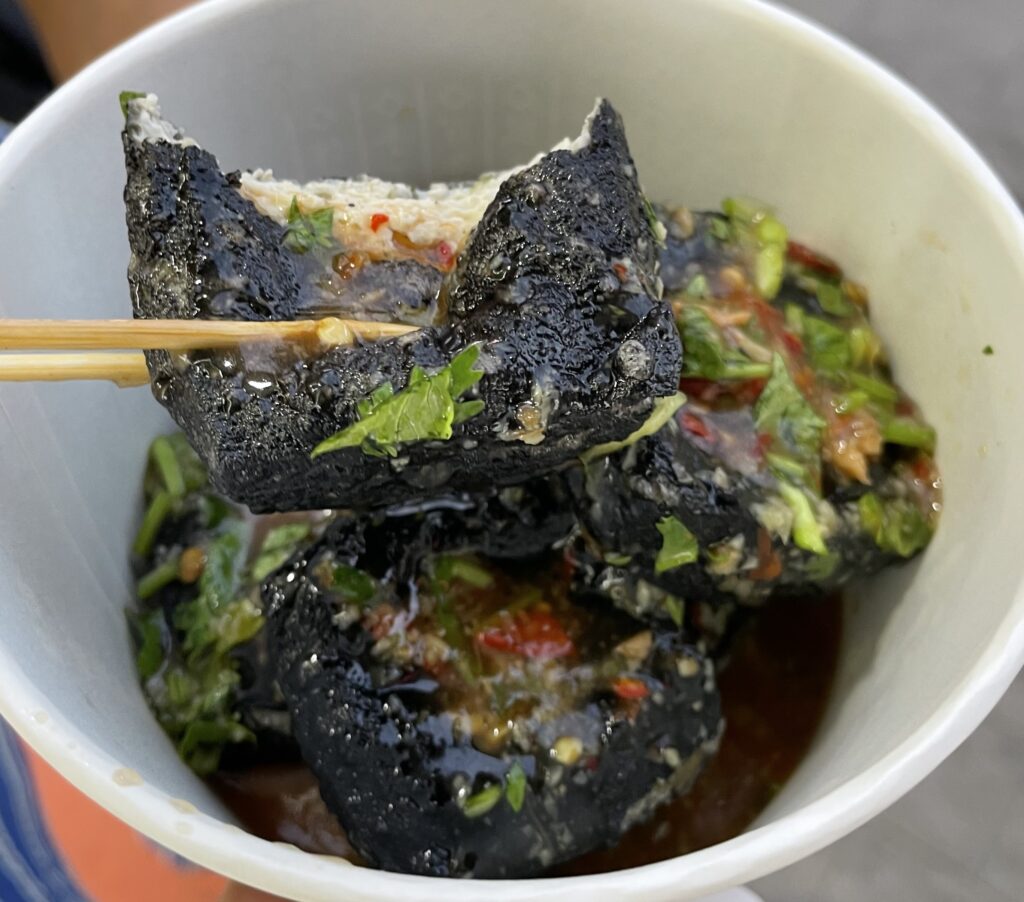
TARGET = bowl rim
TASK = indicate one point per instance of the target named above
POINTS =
(286, 870)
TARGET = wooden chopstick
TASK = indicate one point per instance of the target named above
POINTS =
(95, 337)
(184, 334)
(123, 369)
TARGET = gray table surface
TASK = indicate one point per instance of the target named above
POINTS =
(959, 835)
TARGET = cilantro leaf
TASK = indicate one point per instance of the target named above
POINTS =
(306, 231)
(705, 354)
(355, 586)
(425, 409)
(783, 412)
(515, 786)
(896, 524)
(218, 586)
(678, 545)
(149, 629)
(279, 545)
(827, 346)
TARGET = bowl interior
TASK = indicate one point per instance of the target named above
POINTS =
(719, 98)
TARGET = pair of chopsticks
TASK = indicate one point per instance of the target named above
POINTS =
(100, 343)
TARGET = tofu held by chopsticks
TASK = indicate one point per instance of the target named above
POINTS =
(544, 333)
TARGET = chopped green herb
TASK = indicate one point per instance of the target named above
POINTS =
(279, 545)
(355, 586)
(785, 467)
(465, 410)
(306, 231)
(806, 529)
(988, 351)
(425, 409)
(191, 684)
(744, 211)
(675, 608)
(831, 299)
(896, 524)
(158, 511)
(125, 97)
(678, 545)
(754, 225)
(782, 411)
(769, 265)
(448, 567)
(157, 578)
(657, 228)
(616, 559)
(203, 741)
(192, 470)
(795, 318)
(218, 586)
(662, 412)
(828, 346)
(161, 453)
(149, 630)
(851, 401)
(515, 786)
(910, 433)
(705, 355)
(821, 566)
(698, 287)
(482, 802)
(876, 389)
(865, 347)
(719, 229)
(724, 557)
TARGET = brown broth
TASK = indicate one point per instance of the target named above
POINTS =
(774, 689)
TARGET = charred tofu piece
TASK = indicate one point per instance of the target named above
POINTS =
(464, 713)
(545, 332)
(796, 463)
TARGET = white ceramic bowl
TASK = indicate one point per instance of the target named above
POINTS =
(719, 97)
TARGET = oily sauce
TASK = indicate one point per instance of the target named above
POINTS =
(775, 685)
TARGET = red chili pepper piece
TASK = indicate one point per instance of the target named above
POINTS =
(446, 254)
(531, 634)
(923, 468)
(793, 343)
(704, 390)
(800, 253)
(377, 220)
(693, 423)
(630, 687)
(748, 391)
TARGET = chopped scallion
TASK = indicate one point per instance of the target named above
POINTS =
(909, 432)
(152, 520)
(806, 529)
(157, 578)
(481, 802)
(876, 389)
